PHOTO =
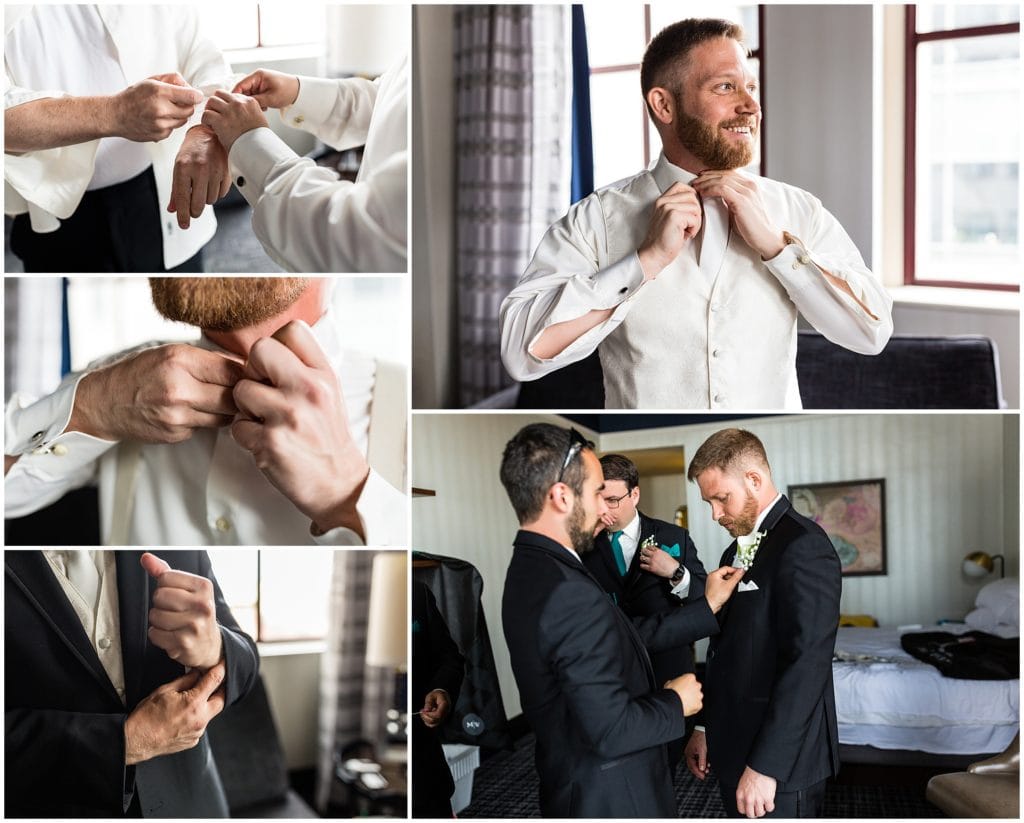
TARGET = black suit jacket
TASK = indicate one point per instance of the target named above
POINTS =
(768, 697)
(587, 686)
(436, 664)
(641, 593)
(64, 742)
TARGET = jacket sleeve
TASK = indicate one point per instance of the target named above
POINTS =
(447, 661)
(806, 619)
(585, 653)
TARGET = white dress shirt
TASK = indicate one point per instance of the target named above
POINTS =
(628, 541)
(99, 614)
(682, 340)
(43, 48)
(305, 217)
(205, 491)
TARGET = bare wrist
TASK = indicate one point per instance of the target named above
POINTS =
(109, 115)
(344, 514)
(82, 418)
(651, 262)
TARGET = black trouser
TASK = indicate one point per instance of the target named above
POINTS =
(809, 802)
(116, 229)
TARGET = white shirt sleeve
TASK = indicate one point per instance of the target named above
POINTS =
(309, 220)
(338, 112)
(51, 460)
(566, 279)
(800, 269)
(382, 511)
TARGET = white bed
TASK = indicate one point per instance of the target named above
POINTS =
(887, 699)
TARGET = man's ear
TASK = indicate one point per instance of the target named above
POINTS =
(560, 498)
(754, 480)
(662, 105)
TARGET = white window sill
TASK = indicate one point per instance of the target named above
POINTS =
(1007, 302)
(291, 648)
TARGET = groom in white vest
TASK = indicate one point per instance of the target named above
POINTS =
(688, 277)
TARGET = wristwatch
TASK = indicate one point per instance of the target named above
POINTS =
(677, 576)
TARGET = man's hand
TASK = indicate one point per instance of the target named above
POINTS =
(755, 794)
(747, 210)
(271, 89)
(292, 417)
(231, 115)
(435, 708)
(201, 175)
(174, 717)
(658, 561)
(160, 395)
(690, 693)
(148, 111)
(720, 585)
(696, 755)
(675, 220)
(183, 617)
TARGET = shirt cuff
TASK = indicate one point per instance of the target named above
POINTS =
(381, 509)
(605, 289)
(683, 587)
(37, 433)
(313, 104)
(700, 729)
(253, 156)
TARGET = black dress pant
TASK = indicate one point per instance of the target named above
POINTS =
(114, 229)
(809, 802)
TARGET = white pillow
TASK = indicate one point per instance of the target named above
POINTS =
(982, 619)
(999, 594)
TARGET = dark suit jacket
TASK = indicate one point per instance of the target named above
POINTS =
(64, 721)
(587, 687)
(436, 664)
(768, 696)
(641, 593)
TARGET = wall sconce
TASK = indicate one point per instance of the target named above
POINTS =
(979, 564)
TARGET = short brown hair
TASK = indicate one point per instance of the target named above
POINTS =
(667, 52)
(620, 467)
(533, 462)
(726, 450)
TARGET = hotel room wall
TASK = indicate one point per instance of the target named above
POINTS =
(458, 456)
(951, 488)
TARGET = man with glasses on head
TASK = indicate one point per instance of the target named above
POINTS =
(600, 716)
(647, 566)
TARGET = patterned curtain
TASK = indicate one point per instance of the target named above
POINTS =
(514, 155)
(353, 696)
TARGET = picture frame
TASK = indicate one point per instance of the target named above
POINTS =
(852, 513)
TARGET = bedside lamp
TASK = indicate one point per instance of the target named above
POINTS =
(387, 635)
(979, 564)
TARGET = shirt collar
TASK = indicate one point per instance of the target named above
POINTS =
(632, 530)
(666, 173)
(324, 331)
(764, 513)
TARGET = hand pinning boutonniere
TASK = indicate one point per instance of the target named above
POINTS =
(746, 548)
(650, 542)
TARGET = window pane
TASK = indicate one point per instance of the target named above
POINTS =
(287, 24)
(617, 115)
(230, 25)
(295, 588)
(236, 571)
(663, 13)
(946, 16)
(615, 35)
(968, 146)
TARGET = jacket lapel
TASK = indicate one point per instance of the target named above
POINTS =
(29, 571)
(133, 608)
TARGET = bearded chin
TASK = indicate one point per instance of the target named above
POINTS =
(705, 143)
(580, 536)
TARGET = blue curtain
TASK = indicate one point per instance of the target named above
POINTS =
(65, 329)
(582, 136)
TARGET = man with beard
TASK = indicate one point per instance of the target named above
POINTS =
(770, 715)
(256, 435)
(688, 277)
(586, 684)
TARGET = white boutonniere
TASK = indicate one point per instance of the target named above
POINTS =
(746, 548)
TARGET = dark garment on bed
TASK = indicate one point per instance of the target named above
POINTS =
(968, 656)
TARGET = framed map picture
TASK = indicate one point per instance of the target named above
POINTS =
(852, 513)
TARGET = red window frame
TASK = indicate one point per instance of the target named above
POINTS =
(914, 38)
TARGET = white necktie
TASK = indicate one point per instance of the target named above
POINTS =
(84, 576)
(715, 238)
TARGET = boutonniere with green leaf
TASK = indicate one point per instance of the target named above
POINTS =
(746, 548)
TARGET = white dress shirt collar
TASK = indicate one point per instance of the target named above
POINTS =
(764, 513)
(665, 173)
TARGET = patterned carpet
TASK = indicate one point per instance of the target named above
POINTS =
(505, 785)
